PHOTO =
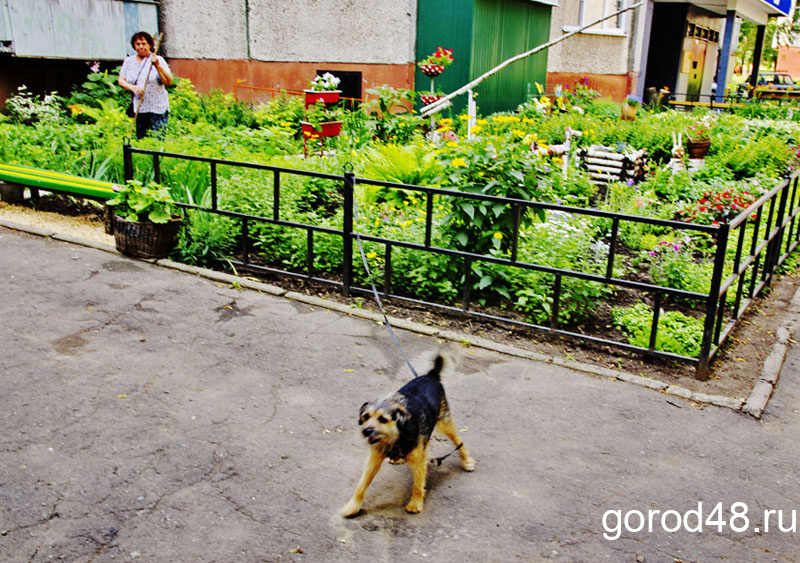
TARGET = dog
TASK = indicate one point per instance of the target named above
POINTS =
(399, 427)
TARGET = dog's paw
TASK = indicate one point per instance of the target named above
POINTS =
(351, 509)
(414, 506)
(468, 464)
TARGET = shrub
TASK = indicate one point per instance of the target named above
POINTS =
(677, 333)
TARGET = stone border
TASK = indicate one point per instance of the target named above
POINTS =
(771, 370)
(754, 405)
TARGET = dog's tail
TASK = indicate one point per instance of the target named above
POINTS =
(436, 371)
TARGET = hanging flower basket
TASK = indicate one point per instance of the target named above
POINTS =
(145, 239)
(327, 96)
(698, 148)
(431, 70)
(427, 100)
(328, 129)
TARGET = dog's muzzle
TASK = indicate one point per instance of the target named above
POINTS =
(370, 434)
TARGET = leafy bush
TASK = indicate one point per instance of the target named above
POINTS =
(677, 333)
(26, 107)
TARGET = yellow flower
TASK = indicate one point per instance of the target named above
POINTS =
(518, 132)
(498, 236)
(482, 122)
(446, 121)
(464, 117)
(452, 144)
(528, 120)
(459, 162)
(371, 255)
(475, 130)
(75, 109)
(557, 160)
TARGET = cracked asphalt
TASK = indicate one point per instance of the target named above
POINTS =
(153, 415)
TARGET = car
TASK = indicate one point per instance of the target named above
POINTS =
(775, 80)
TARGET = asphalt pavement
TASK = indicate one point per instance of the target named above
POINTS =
(150, 414)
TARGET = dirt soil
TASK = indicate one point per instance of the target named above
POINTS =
(733, 373)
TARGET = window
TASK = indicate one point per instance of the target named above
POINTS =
(592, 10)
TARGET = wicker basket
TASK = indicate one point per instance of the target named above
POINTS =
(143, 239)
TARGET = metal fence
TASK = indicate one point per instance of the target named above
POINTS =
(740, 271)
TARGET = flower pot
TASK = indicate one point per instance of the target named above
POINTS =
(327, 96)
(431, 70)
(144, 239)
(697, 148)
(329, 129)
(427, 100)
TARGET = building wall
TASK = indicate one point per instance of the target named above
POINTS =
(788, 60)
(281, 43)
(603, 57)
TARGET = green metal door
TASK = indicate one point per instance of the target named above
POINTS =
(503, 29)
(482, 34)
(445, 23)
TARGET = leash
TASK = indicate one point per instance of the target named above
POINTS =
(438, 460)
(349, 168)
(380, 306)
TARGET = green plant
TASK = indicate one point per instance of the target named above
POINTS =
(326, 82)
(677, 333)
(388, 114)
(25, 107)
(674, 265)
(440, 57)
(319, 113)
(137, 202)
(98, 87)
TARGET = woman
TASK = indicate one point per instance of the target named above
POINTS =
(153, 108)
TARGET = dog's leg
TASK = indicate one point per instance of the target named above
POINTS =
(447, 427)
(371, 468)
(418, 461)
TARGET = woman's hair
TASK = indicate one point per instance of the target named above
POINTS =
(142, 35)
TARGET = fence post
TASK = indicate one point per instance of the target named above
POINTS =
(712, 302)
(774, 248)
(347, 229)
(127, 160)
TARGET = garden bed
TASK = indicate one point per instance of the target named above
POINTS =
(616, 271)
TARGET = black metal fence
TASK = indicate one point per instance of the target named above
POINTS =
(748, 251)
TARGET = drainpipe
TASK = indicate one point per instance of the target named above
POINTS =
(647, 20)
(247, 26)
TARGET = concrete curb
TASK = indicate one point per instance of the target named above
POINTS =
(770, 372)
(753, 406)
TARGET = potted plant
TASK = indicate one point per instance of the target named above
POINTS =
(324, 88)
(144, 220)
(322, 120)
(428, 97)
(435, 63)
(629, 108)
(698, 138)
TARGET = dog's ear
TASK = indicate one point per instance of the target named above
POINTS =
(400, 415)
(361, 412)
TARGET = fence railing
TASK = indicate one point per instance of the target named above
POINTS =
(770, 225)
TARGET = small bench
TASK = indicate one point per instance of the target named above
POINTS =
(37, 178)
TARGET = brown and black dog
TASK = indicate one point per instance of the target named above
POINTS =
(399, 427)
